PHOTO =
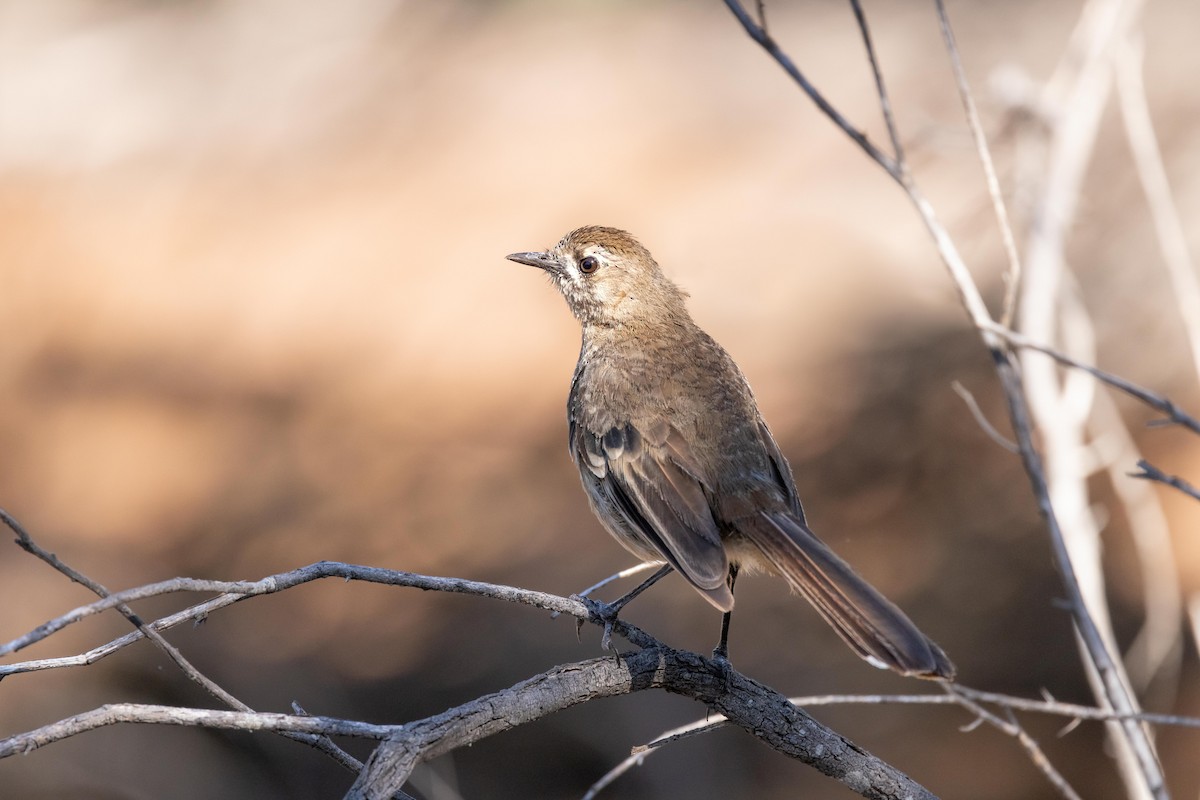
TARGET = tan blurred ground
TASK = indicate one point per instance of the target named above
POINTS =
(255, 314)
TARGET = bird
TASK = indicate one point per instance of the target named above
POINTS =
(678, 463)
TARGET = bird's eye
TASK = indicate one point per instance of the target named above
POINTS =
(588, 264)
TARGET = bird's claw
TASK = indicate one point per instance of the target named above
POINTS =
(601, 612)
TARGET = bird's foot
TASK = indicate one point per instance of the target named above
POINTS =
(606, 613)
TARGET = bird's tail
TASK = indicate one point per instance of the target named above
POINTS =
(867, 621)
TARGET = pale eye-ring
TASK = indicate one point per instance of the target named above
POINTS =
(588, 264)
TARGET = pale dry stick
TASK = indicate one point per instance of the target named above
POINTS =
(1193, 607)
(1012, 275)
(195, 614)
(636, 569)
(1059, 416)
(112, 600)
(1069, 468)
(1147, 156)
(1157, 648)
(1113, 687)
(135, 713)
(1159, 589)
(982, 421)
(429, 780)
(638, 756)
(1139, 127)
(1072, 710)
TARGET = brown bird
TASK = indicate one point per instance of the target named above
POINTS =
(677, 461)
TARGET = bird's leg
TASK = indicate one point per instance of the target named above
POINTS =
(721, 651)
(608, 611)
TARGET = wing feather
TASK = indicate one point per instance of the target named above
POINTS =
(650, 480)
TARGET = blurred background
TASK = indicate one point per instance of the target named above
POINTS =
(256, 314)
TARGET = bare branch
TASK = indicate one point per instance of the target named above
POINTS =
(766, 714)
(123, 713)
(961, 696)
(25, 541)
(759, 34)
(239, 590)
(1111, 676)
(1012, 728)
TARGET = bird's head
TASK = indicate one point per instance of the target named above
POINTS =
(608, 278)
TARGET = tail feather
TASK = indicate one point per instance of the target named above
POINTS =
(869, 623)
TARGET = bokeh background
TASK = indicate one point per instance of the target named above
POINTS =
(256, 314)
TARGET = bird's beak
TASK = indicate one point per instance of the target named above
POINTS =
(545, 261)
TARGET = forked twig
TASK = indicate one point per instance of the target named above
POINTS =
(1174, 414)
(26, 542)
(1153, 473)
(1112, 684)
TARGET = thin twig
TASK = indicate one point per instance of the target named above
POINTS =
(239, 590)
(982, 421)
(636, 569)
(962, 696)
(761, 7)
(1153, 473)
(1012, 728)
(968, 292)
(885, 103)
(638, 755)
(119, 713)
(1045, 313)
(1175, 415)
(760, 35)
(1012, 275)
(26, 542)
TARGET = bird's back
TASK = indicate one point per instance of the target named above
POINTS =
(679, 377)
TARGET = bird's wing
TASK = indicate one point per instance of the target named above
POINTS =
(650, 478)
(782, 473)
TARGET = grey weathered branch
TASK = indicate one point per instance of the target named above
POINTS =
(655, 666)
(759, 710)
(26, 543)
